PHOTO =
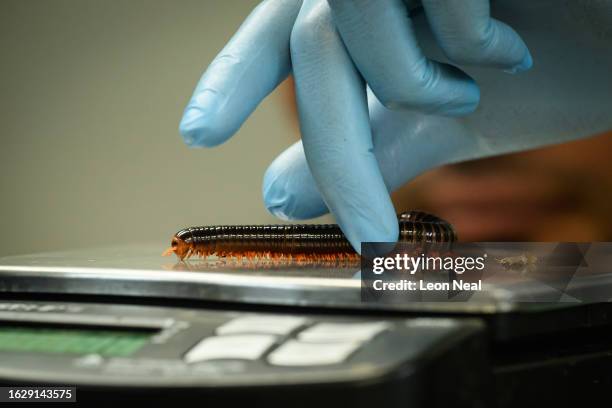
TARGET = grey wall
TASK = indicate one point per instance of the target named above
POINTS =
(91, 92)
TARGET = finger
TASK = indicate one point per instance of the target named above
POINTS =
(250, 66)
(468, 35)
(381, 41)
(289, 190)
(405, 145)
(335, 129)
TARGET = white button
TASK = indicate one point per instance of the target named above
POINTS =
(296, 353)
(241, 347)
(89, 360)
(331, 332)
(281, 325)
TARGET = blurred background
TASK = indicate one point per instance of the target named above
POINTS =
(91, 95)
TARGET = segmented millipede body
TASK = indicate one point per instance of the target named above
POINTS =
(301, 242)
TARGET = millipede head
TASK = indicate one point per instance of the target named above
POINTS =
(178, 247)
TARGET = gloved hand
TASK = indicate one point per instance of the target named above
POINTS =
(349, 158)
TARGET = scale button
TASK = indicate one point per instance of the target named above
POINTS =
(89, 360)
(342, 332)
(281, 325)
(297, 353)
(236, 347)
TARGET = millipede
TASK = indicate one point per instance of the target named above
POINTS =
(301, 242)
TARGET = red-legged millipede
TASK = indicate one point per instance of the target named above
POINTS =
(301, 242)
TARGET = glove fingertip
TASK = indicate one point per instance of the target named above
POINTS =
(467, 101)
(201, 129)
(525, 65)
(289, 200)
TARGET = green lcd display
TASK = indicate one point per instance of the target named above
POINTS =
(63, 340)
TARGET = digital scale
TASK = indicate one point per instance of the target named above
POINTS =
(125, 324)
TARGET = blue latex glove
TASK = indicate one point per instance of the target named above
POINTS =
(340, 166)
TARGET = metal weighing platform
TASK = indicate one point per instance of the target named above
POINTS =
(127, 324)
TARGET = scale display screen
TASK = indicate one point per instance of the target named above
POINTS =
(72, 340)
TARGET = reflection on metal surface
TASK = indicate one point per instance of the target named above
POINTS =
(284, 266)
